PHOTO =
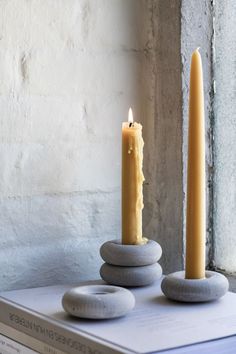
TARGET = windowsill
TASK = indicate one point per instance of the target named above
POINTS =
(231, 278)
(232, 281)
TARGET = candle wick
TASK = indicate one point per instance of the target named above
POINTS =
(130, 124)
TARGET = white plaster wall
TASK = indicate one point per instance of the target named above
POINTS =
(69, 72)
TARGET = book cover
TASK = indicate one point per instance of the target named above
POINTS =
(154, 325)
(27, 341)
(8, 346)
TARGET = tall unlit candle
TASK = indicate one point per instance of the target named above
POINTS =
(195, 223)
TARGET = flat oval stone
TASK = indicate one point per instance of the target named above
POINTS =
(98, 301)
(130, 276)
(212, 287)
(115, 253)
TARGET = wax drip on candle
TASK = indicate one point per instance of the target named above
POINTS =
(130, 150)
(131, 123)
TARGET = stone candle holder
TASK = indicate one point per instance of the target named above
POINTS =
(130, 265)
(98, 301)
(212, 287)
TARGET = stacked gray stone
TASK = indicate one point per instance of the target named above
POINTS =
(130, 265)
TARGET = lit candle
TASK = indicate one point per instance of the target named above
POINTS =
(132, 182)
(195, 223)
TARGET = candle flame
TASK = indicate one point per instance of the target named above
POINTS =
(130, 116)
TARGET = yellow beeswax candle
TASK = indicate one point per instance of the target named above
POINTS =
(195, 223)
(132, 182)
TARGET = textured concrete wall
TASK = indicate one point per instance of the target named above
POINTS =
(69, 72)
(197, 31)
(179, 27)
(225, 135)
(164, 194)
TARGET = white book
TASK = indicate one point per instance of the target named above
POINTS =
(9, 346)
(23, 342)
(221, 346)
(155, 324)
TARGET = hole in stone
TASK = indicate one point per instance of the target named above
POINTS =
(100, 293)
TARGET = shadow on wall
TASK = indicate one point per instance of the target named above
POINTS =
(163, 191)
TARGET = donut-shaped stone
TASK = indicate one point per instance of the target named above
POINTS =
(113, 252)
(130, 276)
(98, 301)
(212, 287)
